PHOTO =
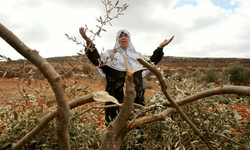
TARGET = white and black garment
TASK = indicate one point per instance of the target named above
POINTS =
(115, 71)
(115, 59)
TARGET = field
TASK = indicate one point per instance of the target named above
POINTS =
(13, 89)
(23, 84)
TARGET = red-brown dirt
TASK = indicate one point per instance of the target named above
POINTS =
(11, 90)
(14, 91)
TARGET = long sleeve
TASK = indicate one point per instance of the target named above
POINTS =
(157, 55)
(93, 54)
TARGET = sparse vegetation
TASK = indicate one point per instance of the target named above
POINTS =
(237, 74)
(147, 84)
(210, 75)
(214, 116)
(209, 115)
(186, 115)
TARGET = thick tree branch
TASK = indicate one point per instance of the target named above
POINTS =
(148, 119)
(244, 90)
(129, 97)
(52, 77)
(113, 138)
(211, 92)
(173, 103)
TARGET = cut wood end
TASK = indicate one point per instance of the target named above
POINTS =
(103, 96)
(138, 57)
(138, 69)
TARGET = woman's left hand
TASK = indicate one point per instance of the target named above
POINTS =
(165, 42)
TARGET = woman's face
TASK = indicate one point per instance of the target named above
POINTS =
(124, 40)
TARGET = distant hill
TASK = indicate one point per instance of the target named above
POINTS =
(170, 64)
(189, 64)
(202, 62)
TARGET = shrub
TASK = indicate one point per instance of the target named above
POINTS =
(211, 75)
(196, 75)
(237, 74)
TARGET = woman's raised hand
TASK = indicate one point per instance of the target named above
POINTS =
(165, 42)
(83, 33)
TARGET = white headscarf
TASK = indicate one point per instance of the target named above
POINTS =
(118, 62)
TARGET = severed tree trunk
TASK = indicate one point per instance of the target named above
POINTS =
(115, 131)
(50, 74)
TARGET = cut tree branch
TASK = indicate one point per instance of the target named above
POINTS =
(148, 119)
(244, 90)
(173, 103)
(52, 77)
(114, 135)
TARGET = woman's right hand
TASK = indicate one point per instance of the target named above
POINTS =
(83, 33)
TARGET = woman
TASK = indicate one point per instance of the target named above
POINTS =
(114, 70)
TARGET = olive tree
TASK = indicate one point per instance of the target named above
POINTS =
(122, 125)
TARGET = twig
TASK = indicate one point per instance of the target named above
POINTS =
(242, 134)
(231, 140)
(107, 19)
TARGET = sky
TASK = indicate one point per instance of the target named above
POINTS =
(202, 28)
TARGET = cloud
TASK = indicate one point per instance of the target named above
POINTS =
(202, 28)
(206, 27)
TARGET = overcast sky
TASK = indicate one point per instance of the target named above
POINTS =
(202, 28)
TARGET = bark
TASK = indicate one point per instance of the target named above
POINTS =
(115, 131)
(211, 92)
(113, 137)
(148, 119)
(52, 77)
